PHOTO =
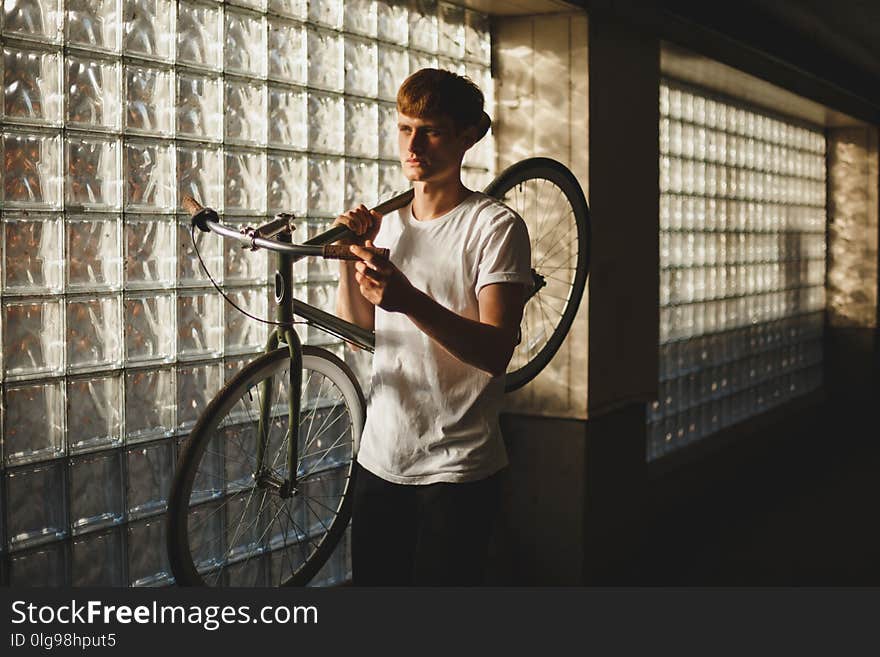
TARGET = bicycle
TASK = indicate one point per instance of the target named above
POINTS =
(258, 500)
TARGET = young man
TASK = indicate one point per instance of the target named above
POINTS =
(446, 310)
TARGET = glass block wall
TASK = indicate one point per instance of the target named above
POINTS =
(742, 264)
(112, 338)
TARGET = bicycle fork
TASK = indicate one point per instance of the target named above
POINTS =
(265, 475)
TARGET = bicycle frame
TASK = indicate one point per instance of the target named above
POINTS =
(286, 254)
(286, 308)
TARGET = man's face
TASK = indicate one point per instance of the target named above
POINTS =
(431, 149)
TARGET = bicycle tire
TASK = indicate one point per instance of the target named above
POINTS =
(216, 480)
(559, 271)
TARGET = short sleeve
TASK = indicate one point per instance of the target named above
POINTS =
(505, 256)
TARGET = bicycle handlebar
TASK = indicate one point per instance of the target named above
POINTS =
(206, 219)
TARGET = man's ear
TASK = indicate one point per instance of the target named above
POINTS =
(475, 133)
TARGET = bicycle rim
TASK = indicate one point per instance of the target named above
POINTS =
(228, 522)
(549, 199)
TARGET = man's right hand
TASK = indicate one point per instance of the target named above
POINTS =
(363, 222)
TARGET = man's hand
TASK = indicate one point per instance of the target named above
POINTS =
(362, 222)
(381, 283)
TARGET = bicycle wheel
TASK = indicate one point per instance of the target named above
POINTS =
(228, 523)
(550, 200)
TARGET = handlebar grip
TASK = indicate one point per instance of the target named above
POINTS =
(395, 203)
(199, 215)
(192, 206)
(342, 252)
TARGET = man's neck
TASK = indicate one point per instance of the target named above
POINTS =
(434, 199)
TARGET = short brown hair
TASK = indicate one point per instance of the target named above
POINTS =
(432, 93)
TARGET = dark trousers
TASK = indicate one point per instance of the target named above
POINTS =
(421, 535)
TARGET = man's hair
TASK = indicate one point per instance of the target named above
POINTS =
(435, 93)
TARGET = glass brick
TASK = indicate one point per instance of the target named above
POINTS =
(258, 5)
(451, 38)
(420, 60)
(392, 21)
(291, 8)
(360, 67)
(243, 265)
(326, 185)
(149, 104)
(391, 181)
(361, 126)
(288, 181)
(243, 334)
(322, 295)
(361, 183)
(34, 423)
(199, 35)
(149, 327)
(288, 122)
(94, 412)
(199, 107)
(325, 59)
(147, 556)
(287, 52)
(32, 86)
(189, 269)
(34, 19)
(200, 175)
(94, 24)
(150, 471)
(96, 491)
(32, 260)
(98, 560)
(359, 16)
(477, 37)
(149, 28)
(205, 525)
(456, 66)
(326, 112)
(388, 132)
(94, 97)
(36, 505)
(245, 182)
(195, 387)
(245, 43)
(93, 333)
(393, 68)
(149, 404)
(245, 540)
(199, 328)
(149, 252)
(316, 268)
(208, 481)
(326, 12)
(94, 173)
(43, 567)
(149, 173)
(33, 339)
(246, 112)
(423, 29)
(32, 175)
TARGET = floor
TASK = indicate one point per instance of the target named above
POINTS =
(804, 516)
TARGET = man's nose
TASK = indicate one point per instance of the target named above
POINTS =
(416, 141)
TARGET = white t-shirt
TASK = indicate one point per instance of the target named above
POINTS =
(431, 417)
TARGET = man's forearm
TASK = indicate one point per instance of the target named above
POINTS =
(475, 343)
(350, 303)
